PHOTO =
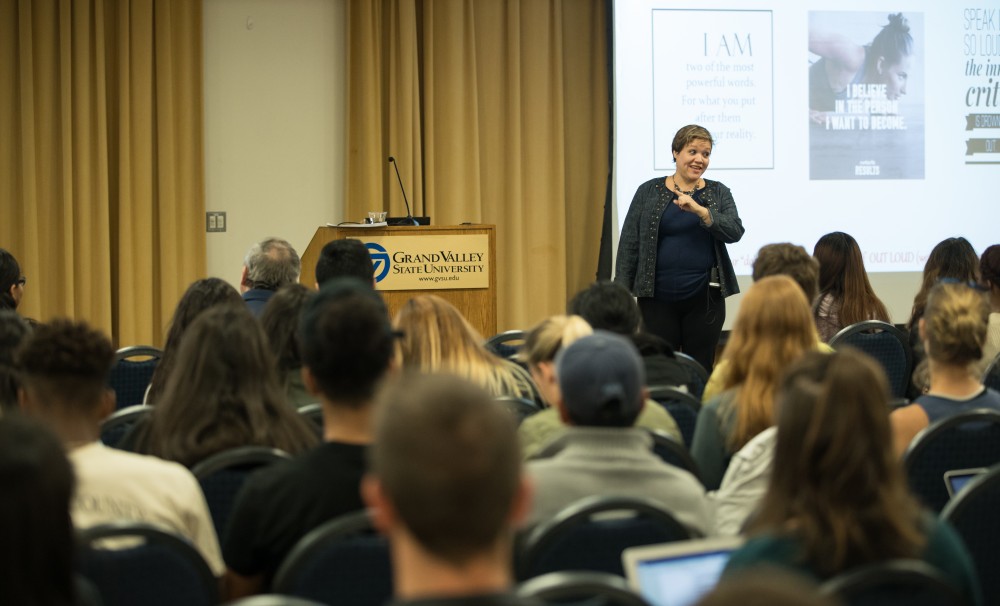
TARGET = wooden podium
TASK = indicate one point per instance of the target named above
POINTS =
(454, 262)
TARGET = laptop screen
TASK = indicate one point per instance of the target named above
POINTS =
(957, 479)
(682, 573)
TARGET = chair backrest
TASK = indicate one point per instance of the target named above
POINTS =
(132, 372)
(521, 408)
(341, 562)
(114, 428)
(673, 452)
(592, 533)
(975, 514)
(506, 344)
(153, 566)
(887, 344)
(682, 406)
(222, 475)
(964, 441)
(576, 587)
(697, 373)
(991, 378)
(902, 582)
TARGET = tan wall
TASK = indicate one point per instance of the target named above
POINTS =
(274, 122)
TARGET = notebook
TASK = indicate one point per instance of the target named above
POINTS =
(679, 573)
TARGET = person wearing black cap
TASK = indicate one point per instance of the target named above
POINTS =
(601, 380)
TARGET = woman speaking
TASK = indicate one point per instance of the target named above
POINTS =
(672, 253)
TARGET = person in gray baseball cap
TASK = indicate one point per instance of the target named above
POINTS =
(601, 379)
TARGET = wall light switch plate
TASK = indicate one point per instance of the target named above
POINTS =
(215, 221)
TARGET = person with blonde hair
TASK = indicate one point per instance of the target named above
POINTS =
(837, 498)
(953, 331)
(541, 345)
(779, 259)
(773, 328)
(437, 338)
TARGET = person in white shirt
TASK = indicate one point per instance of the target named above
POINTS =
(64, 373)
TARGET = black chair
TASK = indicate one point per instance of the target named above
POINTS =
(132, 372)
(964, 441)
(521, 408)
(592, 533)
(682, 406)
(341, 562)
(144, 564)
(673, 452)
(698, 376)
(902, 582)
(991, 378)
(581, 588)
(314, 414)
(975, 514)
(273, 599)
(222, 476)
(506, 344)
(889, 346)
(114, 428)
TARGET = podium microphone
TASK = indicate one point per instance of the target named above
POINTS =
(409, 220)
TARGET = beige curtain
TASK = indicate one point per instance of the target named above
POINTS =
(497, 112)
(101, 169)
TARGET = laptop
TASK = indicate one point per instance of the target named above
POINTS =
(956, 479)
(678, 573)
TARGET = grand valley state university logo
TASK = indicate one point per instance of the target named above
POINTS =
(380, 259)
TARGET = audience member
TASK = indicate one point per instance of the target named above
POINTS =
(446, 488)
(792, 260)
(989, 269)
(846, 296)
(773, 328)
(601, 381)
(280, 322)
(36, 534)
(345, 258)
(11, 281)
(610, 306)
(952, 258)
(437, 338)
(64, 371)
(223, 393)
(953, 330)
(199, 296)
(541, 345)
(775, 260)
(346, 344)
(269, 265)
(837, 498)
(744, 483)
(749, 470)
(13, 331)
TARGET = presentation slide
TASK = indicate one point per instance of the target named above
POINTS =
(880, 119)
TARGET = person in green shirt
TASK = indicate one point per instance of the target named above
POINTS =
(838, 498)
